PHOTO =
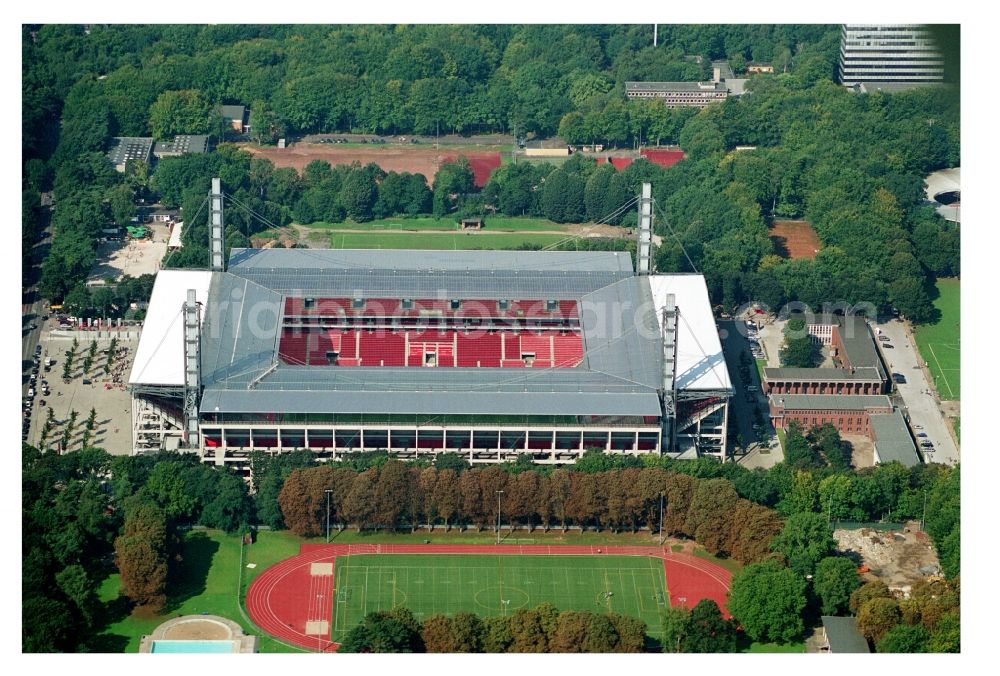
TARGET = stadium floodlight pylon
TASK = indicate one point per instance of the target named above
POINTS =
(644, 231)
(192, 369)
(217, 228)
(669, 333)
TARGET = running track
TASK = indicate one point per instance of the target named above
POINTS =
(285, 596)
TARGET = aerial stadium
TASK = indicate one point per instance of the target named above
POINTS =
(488, 354)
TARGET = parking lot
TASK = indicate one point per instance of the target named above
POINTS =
(57, 415)
(922, 405)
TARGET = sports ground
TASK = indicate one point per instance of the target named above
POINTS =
(440, 240)
(312, 600)
(939, 343)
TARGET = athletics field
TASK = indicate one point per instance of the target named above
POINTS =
(312, 600)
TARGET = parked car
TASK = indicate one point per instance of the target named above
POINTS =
(899, 377)
(926, 444)
(922, 434)
(883, 338)
(887, 346)
(918, 427)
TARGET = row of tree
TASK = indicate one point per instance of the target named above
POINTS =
(394, 495)
(542, 629)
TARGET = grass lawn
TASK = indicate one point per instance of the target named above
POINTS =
(496, 585)
(440, 241)
(761, 365)
(957, 424)
(207, 580)
(939, 342)
(447, 224)
(729, 564)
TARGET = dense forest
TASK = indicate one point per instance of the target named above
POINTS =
(850, 164)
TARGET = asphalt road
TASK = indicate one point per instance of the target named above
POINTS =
(920, 399)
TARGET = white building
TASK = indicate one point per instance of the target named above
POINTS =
(902, 54)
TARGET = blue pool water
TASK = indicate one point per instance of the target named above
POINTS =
(192, 646)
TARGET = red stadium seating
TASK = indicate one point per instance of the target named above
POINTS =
(478, 348)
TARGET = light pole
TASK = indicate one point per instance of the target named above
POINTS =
(499, 493)
(328, 491)
(661, 519)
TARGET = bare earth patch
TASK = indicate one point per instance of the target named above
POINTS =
(795, 239)
(895, 557)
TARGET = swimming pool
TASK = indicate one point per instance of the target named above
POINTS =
(194, 647)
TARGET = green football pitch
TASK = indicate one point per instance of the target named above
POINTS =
(496, 585)
(939, 343)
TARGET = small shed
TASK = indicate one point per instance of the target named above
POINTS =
(475, 223)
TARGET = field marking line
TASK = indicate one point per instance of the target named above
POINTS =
(930, 346)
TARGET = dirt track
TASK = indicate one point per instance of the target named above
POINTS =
(418, 159)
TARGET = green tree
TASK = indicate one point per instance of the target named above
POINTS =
(674, 620)
(799, 349)
(876, 589)
(601, 636)
(904, 639)
(181, 112)
(358, 194)
(836, 578)
(497, 637)
(706, 631)
(877, 616)
(946, 637)
(438, 634)
(468, 633)
(380, 632)
(767, 600)
(806, 539)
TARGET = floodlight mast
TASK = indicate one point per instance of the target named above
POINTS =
(192, 369)
(217, 228)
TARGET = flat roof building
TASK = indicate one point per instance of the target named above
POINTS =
(679, 94)
(183, 144)
(125, 148)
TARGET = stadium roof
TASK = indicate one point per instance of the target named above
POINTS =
(836, 402)
(700, 362)
(619, 375)
(893, 440)
(159, 358)
(242, 311)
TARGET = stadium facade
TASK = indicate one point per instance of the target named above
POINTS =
(488, 354)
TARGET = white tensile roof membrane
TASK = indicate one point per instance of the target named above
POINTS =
(700, 362)
(159, 359)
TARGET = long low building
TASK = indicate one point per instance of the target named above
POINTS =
(484, 353)
(872, 416)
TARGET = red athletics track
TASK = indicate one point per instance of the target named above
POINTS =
(286, 596)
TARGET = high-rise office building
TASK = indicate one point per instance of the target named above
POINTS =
(901, 54)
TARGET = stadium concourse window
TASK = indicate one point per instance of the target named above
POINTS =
(348, 438)
(402, 438)
(458, 439)
(238, 438)
(320, 438)
(265, 438)
(598, 440)
(212, 438)
(293, 438)
(568, 440)
(648, 441)
(375, 439)
(503, 304)
(622, 441)
(511, 440)
(540, 440)
(482, 439)
(430, 439)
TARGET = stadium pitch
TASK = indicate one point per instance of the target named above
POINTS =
(491, 585)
